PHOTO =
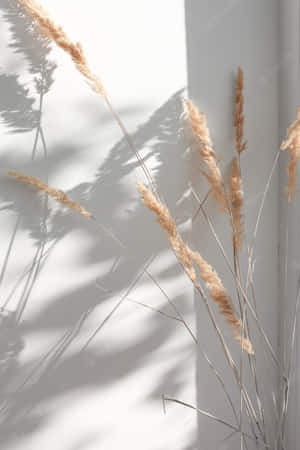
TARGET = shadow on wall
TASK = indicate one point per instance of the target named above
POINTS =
(63, 372)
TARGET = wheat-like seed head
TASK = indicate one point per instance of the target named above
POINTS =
(239, 116)
(59, 195)
(219, 294)
(187, 257)
(292, 143)
(214, 177)
(236, 201)
(56, 33)
(165, 220)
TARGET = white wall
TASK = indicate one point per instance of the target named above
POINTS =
(110, 396)
(222, 35)
(289, 214)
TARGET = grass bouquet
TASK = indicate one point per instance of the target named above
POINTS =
(237, 309)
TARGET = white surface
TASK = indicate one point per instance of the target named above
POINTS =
(222, 35)
(289, 215)
(109, 397)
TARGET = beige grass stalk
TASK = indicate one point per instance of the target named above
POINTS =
(188, 258)
(201, 131)
(55, 32)
(239, 113)
(59, 195)
(236, 201)
(292, 143)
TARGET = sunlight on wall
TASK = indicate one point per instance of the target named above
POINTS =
(109, 396)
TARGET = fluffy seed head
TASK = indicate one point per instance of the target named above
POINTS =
(59, 195)
(236, 201)
(239, 115)
(56, 33)
(214, 176)
(188, 258)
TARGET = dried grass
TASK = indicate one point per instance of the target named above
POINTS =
(58, 195)
(214, 176)
(236, 201)
(192, 261)
(187, 257)
(241, 145)
(56, 33)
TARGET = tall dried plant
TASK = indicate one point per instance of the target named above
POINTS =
(239, 112)
(58, 195)
(236, 202)
(214, 176)
(187, 257)
(55, 32)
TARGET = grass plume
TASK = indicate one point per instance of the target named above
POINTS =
(239, 119)
(188, 258)
(236, 201)
(58, 195)
(214, 177)
(56, 33)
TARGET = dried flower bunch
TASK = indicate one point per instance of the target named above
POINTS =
(59, 195)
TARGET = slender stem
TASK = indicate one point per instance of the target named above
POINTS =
(251, 309)
(25, 273)
(158, 311)
(199, 346)
(207, 414)
(9, 249)
(131, 145)
(170, 301)
(116, 307)
(33, 154)
(108, 232)
(231, 269)
(286, 387)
